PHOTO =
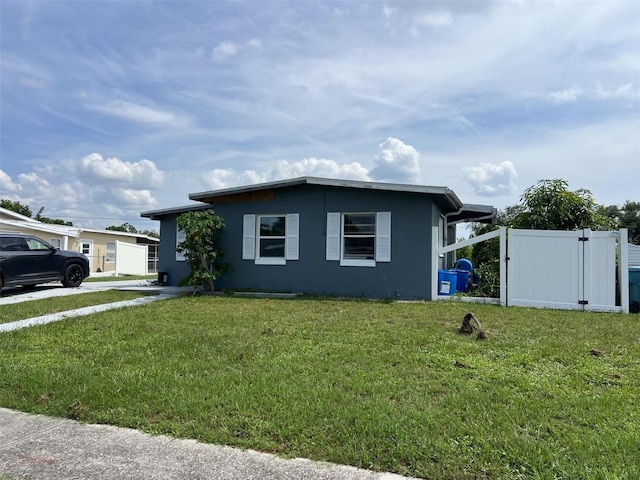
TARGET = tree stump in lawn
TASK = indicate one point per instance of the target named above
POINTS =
(468, 327)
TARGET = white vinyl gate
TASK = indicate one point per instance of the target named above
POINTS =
(558, 269)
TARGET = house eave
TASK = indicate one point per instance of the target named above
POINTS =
(474, 213)
(159, 214)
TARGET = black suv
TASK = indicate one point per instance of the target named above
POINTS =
(27, 260)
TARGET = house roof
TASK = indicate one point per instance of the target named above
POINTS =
(448, 198)
(42, 227)
(211, 195)
(474, 213)
(7, 214)
(158, 214)
(10, 220)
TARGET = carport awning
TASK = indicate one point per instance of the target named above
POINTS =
(474, 213)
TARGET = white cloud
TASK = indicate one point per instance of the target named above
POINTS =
(224, 50)
(142, 199)
(7, 185)
(623, 91)
(137, 113)
(143, 173)
(32, 181)
(567, 95)
(489, 179)
(282, 169)
(397, 162)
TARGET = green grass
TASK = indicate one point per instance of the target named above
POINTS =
(386, 386)
(35, 308)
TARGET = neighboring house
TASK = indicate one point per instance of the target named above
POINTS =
(137, 254)
(324, 236)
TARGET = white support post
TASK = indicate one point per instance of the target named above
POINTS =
(504, 258)
(434, 263)
(117, 261)
(623, 270)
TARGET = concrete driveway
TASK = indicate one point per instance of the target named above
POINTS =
(39, 447)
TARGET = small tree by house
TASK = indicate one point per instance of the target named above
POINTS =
(201, 229)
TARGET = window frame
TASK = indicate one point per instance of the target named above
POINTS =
(350, 261)
(251, 237)
(335, 239)
(260, 260)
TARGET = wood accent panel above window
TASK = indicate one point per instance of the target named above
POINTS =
(259, 196)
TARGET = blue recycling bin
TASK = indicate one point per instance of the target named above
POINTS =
(462, 279)
(447, 282)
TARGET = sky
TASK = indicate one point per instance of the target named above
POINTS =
(111, 108)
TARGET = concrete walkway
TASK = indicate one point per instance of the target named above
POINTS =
(38, 447)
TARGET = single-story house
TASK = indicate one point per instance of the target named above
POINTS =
(138, 254)
(325, 236)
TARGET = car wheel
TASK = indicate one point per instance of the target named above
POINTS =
(73, 276)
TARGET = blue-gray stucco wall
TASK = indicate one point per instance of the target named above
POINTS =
(407, 276)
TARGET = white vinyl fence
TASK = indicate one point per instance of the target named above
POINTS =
(131, 259)
(581, 270)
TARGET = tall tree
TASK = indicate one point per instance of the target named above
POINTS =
(16, 207)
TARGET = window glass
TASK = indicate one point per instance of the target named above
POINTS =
(35, 244)
(272, 236)
(359, 235)
(272, 226)
(56, 242)
(13, 244)
(110, 256)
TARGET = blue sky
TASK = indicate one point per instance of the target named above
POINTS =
(111, 108)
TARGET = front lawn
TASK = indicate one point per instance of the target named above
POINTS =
(45, 306)
(386, 386)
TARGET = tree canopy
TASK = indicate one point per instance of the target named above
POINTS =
(16, 207)
(125, 227)
(550, 205)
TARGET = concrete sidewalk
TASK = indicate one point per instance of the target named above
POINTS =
(18, 295)
(38, 447)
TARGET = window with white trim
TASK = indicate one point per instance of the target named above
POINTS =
(270, 239)
(110, 256)
(358, 239)
(55, 242)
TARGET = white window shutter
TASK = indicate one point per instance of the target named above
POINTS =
(333, 235)
(180, 237)
(249, 237)
(383, 237)
(292, 244)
